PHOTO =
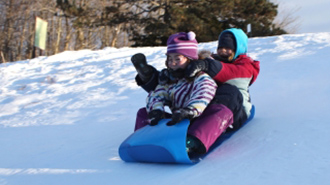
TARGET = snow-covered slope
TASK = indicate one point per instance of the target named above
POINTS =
(63, 117)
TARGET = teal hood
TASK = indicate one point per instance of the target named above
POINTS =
(241, 40)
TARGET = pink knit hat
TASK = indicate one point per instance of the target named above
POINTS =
(184, 44)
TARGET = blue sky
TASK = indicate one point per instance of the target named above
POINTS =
(313, 16)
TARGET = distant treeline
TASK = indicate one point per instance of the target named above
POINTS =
(95, 24)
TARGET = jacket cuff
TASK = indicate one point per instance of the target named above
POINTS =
(151, 84)
(214, 67)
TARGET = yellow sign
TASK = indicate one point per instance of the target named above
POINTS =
(41, 33)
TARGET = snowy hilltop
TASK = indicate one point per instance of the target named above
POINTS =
(63, 117)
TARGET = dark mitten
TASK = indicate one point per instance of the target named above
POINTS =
(163, 77)
(181, 114)
(195, 67)
(144, 70)
(155, 116)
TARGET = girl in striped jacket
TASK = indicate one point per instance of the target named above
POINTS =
(187, 98)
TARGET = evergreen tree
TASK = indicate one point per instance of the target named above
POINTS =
(207, 18)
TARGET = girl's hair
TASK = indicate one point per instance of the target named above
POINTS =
(231, 57)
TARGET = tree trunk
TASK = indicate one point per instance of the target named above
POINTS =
(68, 35)
(59, 31)
(115, 35)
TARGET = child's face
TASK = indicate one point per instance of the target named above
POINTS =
(225, 52)
(176, 61)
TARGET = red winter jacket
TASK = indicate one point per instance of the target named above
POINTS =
(243, 68)
(242, 72)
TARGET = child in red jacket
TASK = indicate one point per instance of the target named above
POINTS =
(235, 68)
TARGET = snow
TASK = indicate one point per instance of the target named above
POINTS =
(63, 117)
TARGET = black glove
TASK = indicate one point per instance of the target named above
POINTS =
(181, 114)
(155, 116)
(195, 67)
(163, 77)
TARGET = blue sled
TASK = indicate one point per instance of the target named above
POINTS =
(163, 144)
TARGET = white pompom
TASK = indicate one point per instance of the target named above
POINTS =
(191, 35)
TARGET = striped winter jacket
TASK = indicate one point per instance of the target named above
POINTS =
(195, 95)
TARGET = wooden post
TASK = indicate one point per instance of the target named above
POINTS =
(34, 52)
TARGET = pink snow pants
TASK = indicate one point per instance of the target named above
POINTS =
(215, 119)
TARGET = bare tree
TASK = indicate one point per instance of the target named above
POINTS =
(286, 19)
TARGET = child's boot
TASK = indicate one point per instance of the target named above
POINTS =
(194, 145)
